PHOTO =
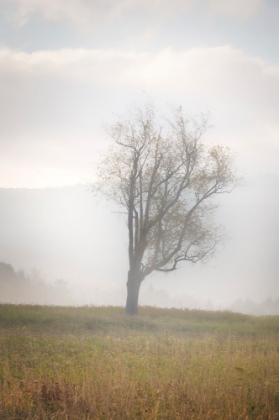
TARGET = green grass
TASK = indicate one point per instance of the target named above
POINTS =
(96, 363)
(102, 320)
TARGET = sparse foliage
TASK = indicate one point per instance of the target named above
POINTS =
(166, 178)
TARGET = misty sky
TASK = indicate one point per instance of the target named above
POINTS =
(68, 67)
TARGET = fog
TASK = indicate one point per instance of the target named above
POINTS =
(66, 246)
(67, 68)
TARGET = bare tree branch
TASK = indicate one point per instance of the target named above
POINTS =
(166, 179)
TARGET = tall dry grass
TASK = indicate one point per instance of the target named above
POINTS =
(137, 368)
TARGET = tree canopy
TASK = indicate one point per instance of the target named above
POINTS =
(166, 177)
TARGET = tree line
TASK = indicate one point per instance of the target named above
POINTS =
(17, 287)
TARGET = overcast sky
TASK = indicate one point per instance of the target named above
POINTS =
(68, 67)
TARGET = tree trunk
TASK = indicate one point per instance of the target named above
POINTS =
(133, 287)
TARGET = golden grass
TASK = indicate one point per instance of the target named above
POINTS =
(147, 367)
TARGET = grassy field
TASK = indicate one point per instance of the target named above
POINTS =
(95, 363)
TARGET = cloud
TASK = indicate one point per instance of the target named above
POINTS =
(85, 13)
(53, 104)
(219, 74)
(236, 8)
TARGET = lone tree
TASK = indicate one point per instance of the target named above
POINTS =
(166, 179)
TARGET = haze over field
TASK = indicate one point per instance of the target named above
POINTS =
(68, 233)
(66, 69)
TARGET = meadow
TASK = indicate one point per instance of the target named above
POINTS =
(96, 363)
